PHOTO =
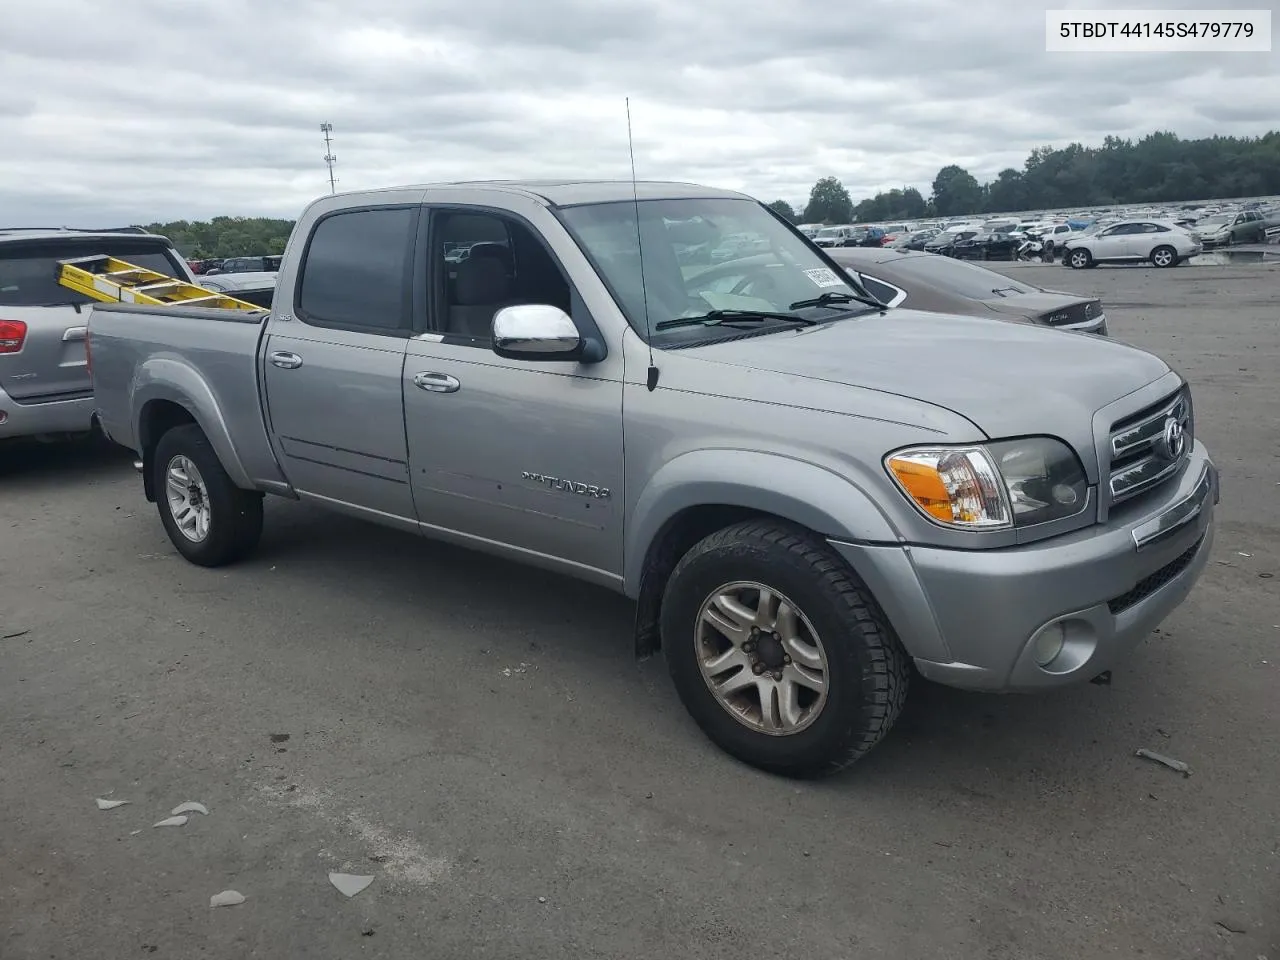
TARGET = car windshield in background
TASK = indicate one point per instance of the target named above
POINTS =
(29, 272)
(702, 256)
(1211, 221)
(831, 232)
(957, 276)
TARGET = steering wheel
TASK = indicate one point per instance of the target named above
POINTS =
(762, 276)
(756, 273)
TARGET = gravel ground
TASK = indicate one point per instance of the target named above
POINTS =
(478, 738)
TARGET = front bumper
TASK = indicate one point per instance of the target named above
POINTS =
(971, 618)
(34, 419)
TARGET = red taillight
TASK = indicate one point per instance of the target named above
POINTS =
(13, 333)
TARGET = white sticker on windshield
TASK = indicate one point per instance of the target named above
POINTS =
(822, 277)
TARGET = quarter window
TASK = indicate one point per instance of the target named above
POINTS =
(356, 272)
(889, 295)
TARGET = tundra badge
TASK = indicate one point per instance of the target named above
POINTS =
(568, 486)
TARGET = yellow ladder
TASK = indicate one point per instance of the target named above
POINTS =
(112, 280)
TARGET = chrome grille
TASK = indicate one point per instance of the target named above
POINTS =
(1142, 456)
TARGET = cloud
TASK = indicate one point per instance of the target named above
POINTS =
(161, 109)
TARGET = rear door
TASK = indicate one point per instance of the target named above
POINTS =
(50, 365)
(333, 368)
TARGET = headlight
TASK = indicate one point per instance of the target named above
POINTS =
(1011, 483)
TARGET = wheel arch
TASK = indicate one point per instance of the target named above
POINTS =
(169, 393)
(702, 492)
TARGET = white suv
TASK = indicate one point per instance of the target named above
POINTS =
(1159, 242)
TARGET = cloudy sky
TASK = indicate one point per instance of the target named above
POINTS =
(141, 110)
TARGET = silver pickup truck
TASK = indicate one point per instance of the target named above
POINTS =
(810, 497)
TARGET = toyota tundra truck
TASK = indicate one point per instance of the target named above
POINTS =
(811, 498)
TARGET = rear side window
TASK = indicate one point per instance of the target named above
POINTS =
(29, 272)
(357, 269)
(885, 293)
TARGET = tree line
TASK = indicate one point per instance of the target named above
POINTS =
(224, 237)
(1158, 168)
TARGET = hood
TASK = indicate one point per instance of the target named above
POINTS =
(1009, 379)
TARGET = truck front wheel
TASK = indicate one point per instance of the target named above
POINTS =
(778, 652)
(210, 520)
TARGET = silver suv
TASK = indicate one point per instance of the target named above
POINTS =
(45, 390)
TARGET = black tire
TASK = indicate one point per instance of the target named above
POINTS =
(235, 523)
(867, 669)
(1164, 257)
(1078, 258)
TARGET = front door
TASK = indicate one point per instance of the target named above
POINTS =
(525, 456)
(333, 371)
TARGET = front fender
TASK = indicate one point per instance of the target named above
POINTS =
(802, 492)
(171, 379)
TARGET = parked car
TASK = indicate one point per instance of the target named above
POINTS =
(944, 243)
(814, 494)
(257, 288)
(917, 240)
(985, 246)
(1161, 243)
(846, 236)
(922, 281)
(870, 237)
(45, 391)
(1224, 229)
(246, 265)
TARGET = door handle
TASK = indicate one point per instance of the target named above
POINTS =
(436, 382)
(286, 361)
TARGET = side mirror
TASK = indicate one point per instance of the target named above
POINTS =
(535, 331)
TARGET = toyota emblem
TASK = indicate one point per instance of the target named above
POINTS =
(1173, 440)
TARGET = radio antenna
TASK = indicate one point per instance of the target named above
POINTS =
(652, 380)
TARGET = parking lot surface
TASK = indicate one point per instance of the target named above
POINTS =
(478, 738)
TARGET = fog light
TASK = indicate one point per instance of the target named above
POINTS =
(1049, 643)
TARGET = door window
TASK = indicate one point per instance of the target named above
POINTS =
(356, 270)
(488, 262)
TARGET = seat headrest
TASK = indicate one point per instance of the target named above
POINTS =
(481, 281)
(492, 250)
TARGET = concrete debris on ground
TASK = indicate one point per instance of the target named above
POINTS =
(172, 822)
(348, 884)
(109, 804)
(227, 898)
(190, 807)
(1169, 762)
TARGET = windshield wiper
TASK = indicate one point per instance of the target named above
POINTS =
(716, 317)
(832, 299)
(1000, 291)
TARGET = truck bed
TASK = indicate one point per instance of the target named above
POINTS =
(139, 353)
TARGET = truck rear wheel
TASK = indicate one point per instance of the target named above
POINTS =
(779, 652)
(210, 520)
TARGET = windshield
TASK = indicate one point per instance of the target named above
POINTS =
(704, 255)
(1210, 220)
(955, 276)
(28, 272)
(830, 231)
